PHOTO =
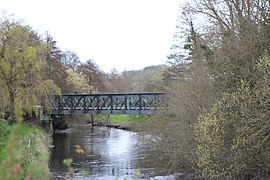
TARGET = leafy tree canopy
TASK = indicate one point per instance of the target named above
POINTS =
(21, 67)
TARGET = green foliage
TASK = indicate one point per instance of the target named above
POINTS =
(95, 76)
(4, 130)
(79, 82)
(146, 80)
(21, 67)
(24, 152)
(68, 163)
(36, 153)
(122, 119)
(233, 139)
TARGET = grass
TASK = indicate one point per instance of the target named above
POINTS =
(121, 119)
(24, 152)
(4, 131)
(124, 120)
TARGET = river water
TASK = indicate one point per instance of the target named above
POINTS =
(109, 154)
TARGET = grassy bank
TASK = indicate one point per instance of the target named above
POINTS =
(122, 120)
(24, 152)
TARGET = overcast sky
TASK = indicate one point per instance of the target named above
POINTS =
(120, 34)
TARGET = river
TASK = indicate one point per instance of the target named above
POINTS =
(109, 154)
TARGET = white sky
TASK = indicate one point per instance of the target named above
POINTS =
(120, 34)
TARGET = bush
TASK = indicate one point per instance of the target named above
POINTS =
(24, 152)
(233, 138)
(35, 152)
(4, 130)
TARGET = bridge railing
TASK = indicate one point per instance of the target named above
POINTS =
(133, 103)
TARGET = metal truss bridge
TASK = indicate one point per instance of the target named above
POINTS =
(133, 103)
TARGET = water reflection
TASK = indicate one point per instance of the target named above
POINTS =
(109, 154)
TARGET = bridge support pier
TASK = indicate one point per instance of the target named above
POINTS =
(58, 122)
(92, 119)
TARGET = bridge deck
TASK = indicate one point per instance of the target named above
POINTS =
(133, 103)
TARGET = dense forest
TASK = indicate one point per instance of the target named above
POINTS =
(217, 80)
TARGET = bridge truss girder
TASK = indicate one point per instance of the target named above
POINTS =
(135, 103)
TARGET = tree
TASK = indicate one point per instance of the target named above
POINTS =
(115, 82)
(52, 54)
(233, 137)
(149, 79)
(225, 41)
(21, 68)
(233, 16)
(79, 81)
(189, 91)
(70, 59)
(55, 70)
(189, 48)
(94, 75)
(238, 33)
(183, 39)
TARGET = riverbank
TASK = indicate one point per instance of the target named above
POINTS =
(123, 121)
(118, 121)
(24, 152)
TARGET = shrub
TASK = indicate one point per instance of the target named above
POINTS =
(233, 138)
(24, 152)
(4, 130)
